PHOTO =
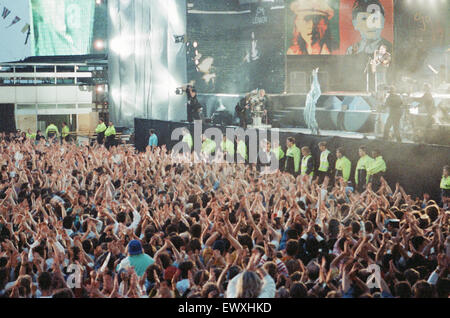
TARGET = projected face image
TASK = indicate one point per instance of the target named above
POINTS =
(368, 18)
(62, 27)
(369, 26)
(311, 28)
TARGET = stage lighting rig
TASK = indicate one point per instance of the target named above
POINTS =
(179, 38)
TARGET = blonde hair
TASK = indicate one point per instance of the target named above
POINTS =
(249, 285)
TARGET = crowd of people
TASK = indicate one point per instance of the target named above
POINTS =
(87, 221)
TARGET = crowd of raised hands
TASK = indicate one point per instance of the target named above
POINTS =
(68, 214)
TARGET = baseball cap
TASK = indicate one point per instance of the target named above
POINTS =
(134, 247)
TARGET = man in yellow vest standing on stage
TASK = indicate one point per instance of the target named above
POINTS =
(65, 132)
(343, 165)
(445, 186)
(227, 147)
(307, 165)
(30, 135)
(277, 153)
(241, 150)
(326, 163)
(100, 131)
(208, 147)
(376, 170)
(292, 163)
(51, 131)
(187, 140)
(361, 176)
(110, 134)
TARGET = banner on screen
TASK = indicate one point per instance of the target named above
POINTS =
(338, 27)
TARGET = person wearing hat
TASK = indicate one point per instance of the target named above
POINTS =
(312, 34)
(136, 258)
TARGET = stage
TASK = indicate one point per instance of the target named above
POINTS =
(349, 111)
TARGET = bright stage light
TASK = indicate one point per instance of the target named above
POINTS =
(98, 2)
(99, 45)
(121, 46)
(100, 89)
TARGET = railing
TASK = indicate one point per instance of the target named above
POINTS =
(21, 74)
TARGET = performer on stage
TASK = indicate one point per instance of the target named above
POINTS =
(394, 103)
(380, 65)
(194, 108)
(243, 111)
(311, 100)
(267, 105)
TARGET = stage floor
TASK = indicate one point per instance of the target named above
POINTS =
(336, 133)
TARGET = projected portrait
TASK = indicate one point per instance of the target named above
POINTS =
(62, 27)
(368, 18)
(312, 34)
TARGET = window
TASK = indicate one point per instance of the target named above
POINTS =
(6, 80)
(45, 81)
(84, 106)
(65, 68)
(45, 69)
(25, 81)
(6, 69)
(65, 81)
(26, 107)
(67, 106)
(46, 106)
(25, 69)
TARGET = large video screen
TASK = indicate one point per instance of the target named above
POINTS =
(338, 27)
(234, 47)
(66, 27)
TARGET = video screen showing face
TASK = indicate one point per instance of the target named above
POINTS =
(338, 27)
(65, 27)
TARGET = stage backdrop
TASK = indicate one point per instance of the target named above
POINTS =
(145, 64)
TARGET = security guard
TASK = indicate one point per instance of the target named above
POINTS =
(100, 131)
(343, 165)
(110, 134)
(445, 185)
(187, 139)
(241, 151)
(30, 135)
(277, 153)
(227, 147)
(361, 176)
(65, 132)
(292, 163)
(307, 166)
(51, 131)
(376, 170)
(326, 162)
(208, 146)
